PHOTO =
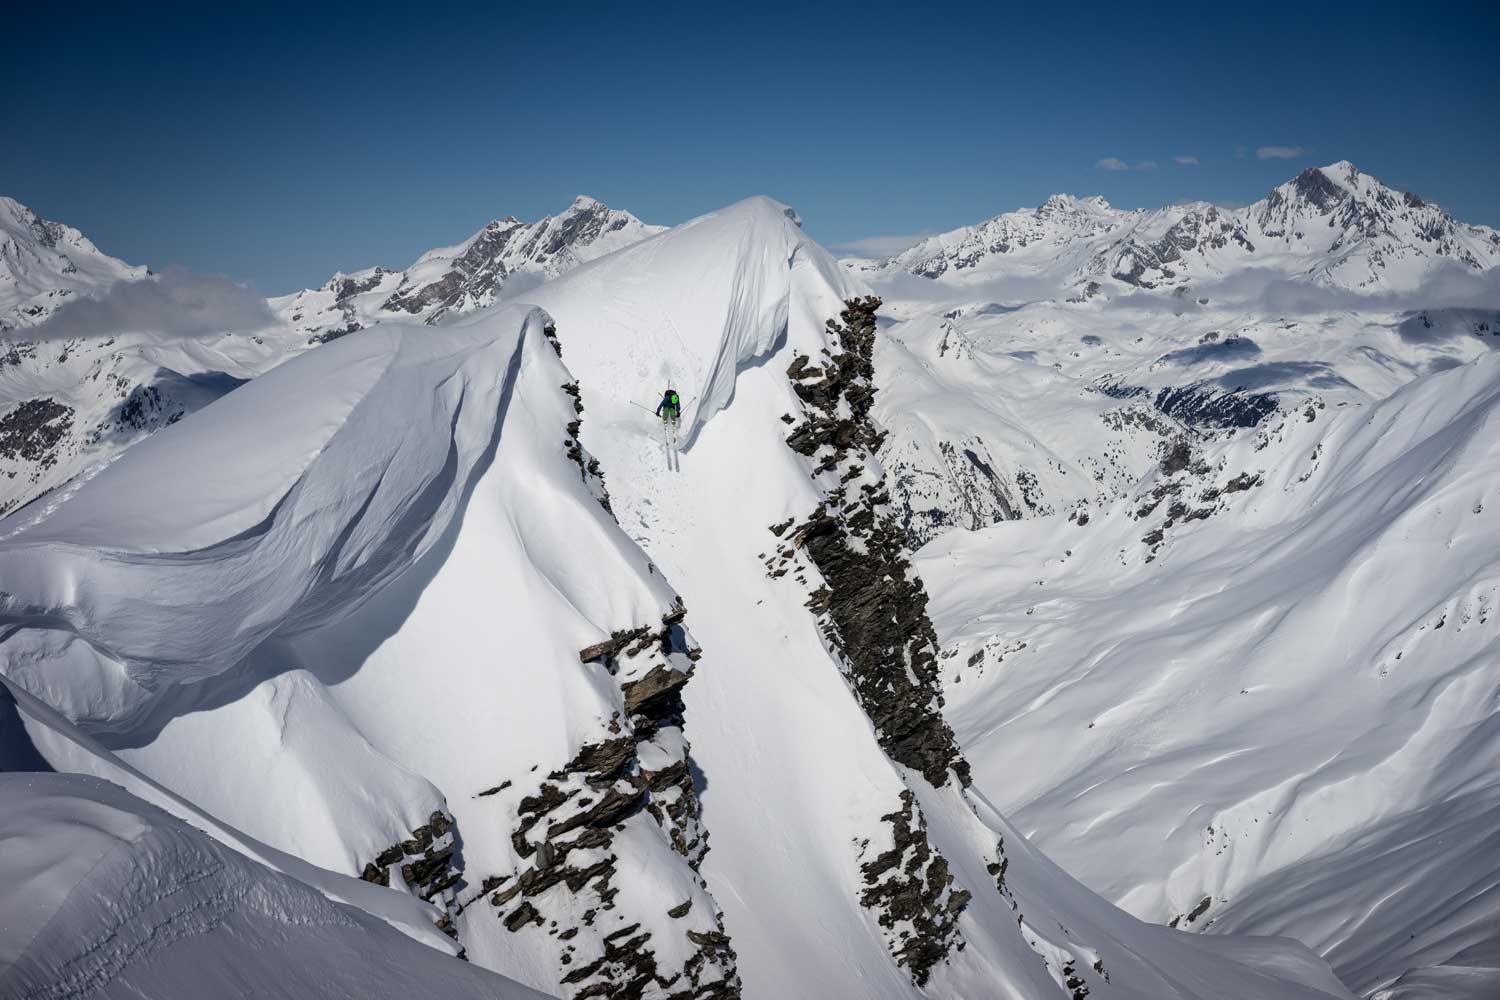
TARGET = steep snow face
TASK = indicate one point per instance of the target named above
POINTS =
(464, 277)
(809, 812)
(1331, 226)
(109, 896)
(43, 264)
(1265, 679)
(386, 588)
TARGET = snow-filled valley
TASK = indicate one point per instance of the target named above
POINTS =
(1051, 622)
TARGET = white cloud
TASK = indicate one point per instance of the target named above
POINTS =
(1111, 163)
(1278, 152)
(1185, 161)
(881, 246)
(1146, 165)
(178, 303)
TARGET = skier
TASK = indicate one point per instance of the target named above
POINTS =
(670, 408)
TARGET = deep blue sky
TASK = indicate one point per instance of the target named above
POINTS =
(281, 145)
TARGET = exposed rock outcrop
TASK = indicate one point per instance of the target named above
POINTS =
(873, 606)
(910, 888)
(32, 430)
(873, 611)
(571, 883)
(588, 465)
(428, 864)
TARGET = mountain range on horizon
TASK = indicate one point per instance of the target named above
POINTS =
(1333, 226)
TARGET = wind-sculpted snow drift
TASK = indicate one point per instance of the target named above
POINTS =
(371, 609)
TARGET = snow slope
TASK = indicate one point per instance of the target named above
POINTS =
(96, 354)
(320, 506)
(374, 610)
(108, 896)
(998, 412)
(74, 405)
(1266, 680)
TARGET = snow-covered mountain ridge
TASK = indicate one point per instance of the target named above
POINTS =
(73, 400)
(1330, 226)
(43, 264)
(1243, 457)
(383, 621)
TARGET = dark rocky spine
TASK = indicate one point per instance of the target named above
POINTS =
(873, 604)
(873, 610)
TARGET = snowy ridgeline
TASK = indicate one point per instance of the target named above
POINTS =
(1330, 227)
(379, 663)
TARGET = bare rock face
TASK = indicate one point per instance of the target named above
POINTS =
(873, 604)
(972, 492)
(31, 430)
(588, 465)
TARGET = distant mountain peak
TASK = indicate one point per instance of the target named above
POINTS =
(44, 263)
(1065, 203)
(1332, 225)
(1317, 186)
(465, 276)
